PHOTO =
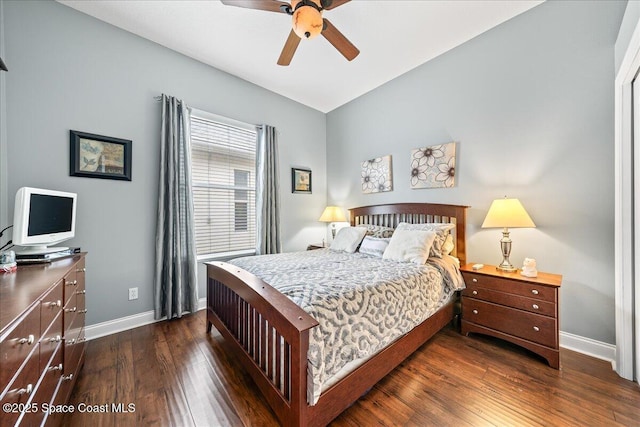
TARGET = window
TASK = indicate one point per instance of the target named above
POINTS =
(223, 154)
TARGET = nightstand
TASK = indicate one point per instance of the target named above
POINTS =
(315, 246)
(522, 310)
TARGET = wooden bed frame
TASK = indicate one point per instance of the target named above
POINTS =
(270, 334)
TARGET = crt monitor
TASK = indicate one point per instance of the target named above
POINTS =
(42, 218)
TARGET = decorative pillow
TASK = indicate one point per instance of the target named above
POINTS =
(448, 245)
(379, 231)
(374, 246)
(441, 230)
(348, 239)
(410, 246)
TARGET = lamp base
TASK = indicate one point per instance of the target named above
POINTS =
(505, 246)
(507, 268)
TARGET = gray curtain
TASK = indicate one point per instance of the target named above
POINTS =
(175, 282)
(268, 192)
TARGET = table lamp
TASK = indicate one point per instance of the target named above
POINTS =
(332, 214)
(507, 213)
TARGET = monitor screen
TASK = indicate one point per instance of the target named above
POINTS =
(50, 214)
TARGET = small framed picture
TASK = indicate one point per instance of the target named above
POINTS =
(300, 180)
(97, 156)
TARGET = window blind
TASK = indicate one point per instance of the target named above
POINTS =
(223, 181)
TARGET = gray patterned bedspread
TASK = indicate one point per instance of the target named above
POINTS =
(362, 303)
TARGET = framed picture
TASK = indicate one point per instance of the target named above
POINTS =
(300, 180)
(97, 156)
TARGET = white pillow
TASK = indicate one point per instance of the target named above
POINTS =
(374, 245)
(410, 246)
(441, 229)
(348, 239)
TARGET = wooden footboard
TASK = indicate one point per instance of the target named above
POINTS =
(269, 335)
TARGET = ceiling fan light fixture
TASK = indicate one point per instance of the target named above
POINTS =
(307, 22)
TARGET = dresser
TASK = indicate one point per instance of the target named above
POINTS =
(522, 310)
(42, 342)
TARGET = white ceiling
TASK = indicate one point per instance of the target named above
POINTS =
(393, 37)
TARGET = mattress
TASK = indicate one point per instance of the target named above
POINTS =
(362, 303)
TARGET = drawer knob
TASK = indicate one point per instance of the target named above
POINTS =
(534, 291)
(535, 328)
(83, 311)
(71, 310)
(54, 304)
(27, 390)
(475, 311)
(75, 282)
(474, 280)
(535, 306)
(71, 342)
(475, 292)
(82, 292)
(57, 338)
(67, 378)
(81, 270)
(29, 340)
(55, 368)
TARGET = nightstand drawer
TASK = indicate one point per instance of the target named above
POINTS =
(515, 287)
(529, 326)
(515, 301)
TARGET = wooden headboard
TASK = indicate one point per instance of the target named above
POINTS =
(417, 213)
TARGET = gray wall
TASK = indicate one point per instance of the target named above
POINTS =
(71, 71)
(530, 104)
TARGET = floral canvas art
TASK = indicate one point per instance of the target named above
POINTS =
(433, 167)
(376, 175)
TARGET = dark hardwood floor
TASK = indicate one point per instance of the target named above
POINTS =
(177, 375)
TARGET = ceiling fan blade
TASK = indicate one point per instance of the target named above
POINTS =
(339, 41)
(332, 4)
(269, 5)
(289, 49)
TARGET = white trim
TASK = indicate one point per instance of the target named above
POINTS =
(129, 322)
(588, 346)
(222, 119)
(624, 200)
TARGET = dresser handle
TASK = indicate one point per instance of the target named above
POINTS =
(475, 311)
(28, 390)
(54, 303)
(474, 280)
(29, 340)
(57, 338)
(55, 368)
(535, 306)
(67, 378)
(71, 342)
(83, 339)
(475, 292)
(535, 328)
(71, 310)
(81, 270)
(82, 292)
(75, 282)
(534, 291)
(83, 311)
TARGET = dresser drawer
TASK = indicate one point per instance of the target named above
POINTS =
(20, 391)
(512, 286)
(524, 303)
(529, 326)
(71, 286)
(17, 345)
(50, 307)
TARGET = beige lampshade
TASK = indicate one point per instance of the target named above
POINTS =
(332, 214)
(507, 213)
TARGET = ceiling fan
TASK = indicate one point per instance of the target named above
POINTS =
(307, 23)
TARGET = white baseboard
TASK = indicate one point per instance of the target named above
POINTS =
(569, 341)
(129, 322)
(593, 348)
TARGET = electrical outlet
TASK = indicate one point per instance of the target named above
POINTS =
(133, 293)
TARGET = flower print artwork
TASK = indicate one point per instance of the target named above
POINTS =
(433, 167)
(375, 175)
